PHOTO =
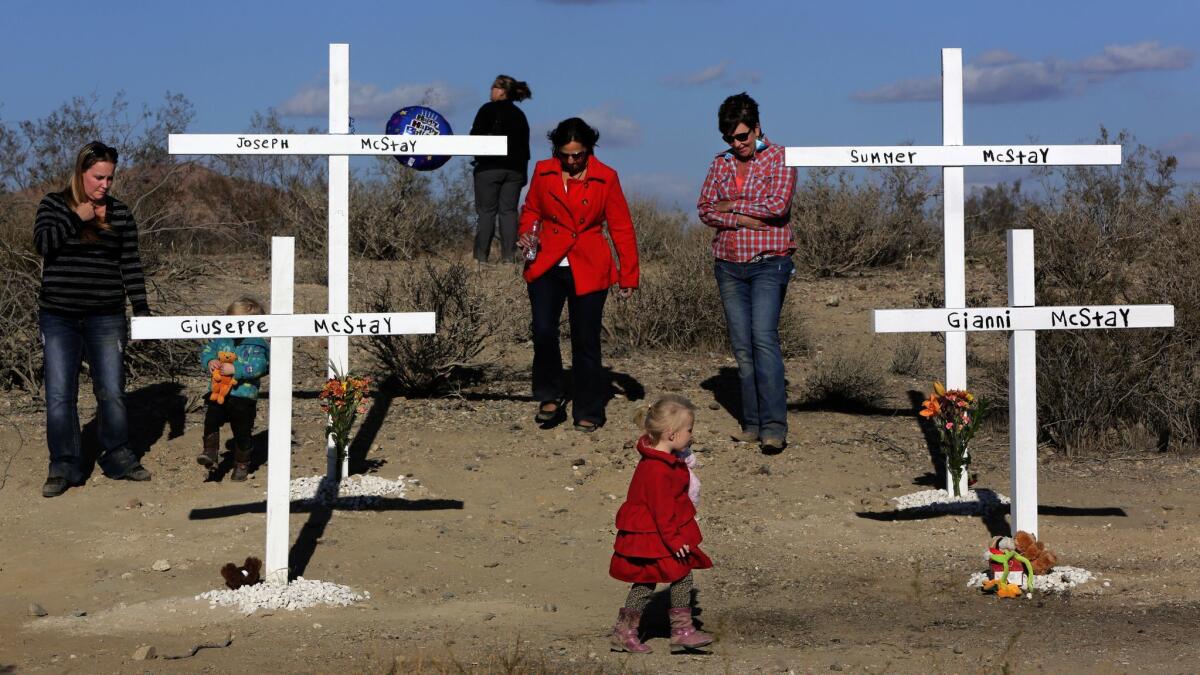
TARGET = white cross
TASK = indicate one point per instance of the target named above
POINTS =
(1022, 318)
(952, 156)
(280, 326)
(338, 144)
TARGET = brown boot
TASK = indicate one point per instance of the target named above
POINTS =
(241, 465)
(684, 635)
(208, 457)
(624, 636)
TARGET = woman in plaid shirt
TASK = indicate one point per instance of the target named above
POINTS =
(747, 199)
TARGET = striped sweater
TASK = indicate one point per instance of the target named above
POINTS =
(79, 277)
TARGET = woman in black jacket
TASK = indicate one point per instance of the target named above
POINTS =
(498, 180)
(90, 266)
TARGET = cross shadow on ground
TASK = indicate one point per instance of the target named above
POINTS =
(150, 411)
(991, 512)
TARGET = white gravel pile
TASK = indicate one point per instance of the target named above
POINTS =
(354, 492)
(299, 594)
(1060, 578)
(973, 503)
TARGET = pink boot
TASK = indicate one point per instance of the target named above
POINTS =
(624, 636)
(684, 635)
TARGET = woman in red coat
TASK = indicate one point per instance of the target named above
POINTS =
(568, 260)
(658, 540)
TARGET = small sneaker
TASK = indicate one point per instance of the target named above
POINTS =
(55, 486)
(241, 471)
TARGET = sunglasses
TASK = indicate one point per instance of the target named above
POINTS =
(571, 155)
(740, 138)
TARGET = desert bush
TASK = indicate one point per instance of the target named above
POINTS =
(1115, 235)
(433, 364)
(906, 357)
(842, 226)
(846, 379)
(678, 307)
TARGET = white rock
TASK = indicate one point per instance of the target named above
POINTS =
(160, 566)
(974, 502)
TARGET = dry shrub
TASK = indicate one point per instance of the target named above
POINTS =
(433, 364)
(677, 305)
(20, 347)
(1117, 236)
(846, 379)
(843, 227)
(906, 357)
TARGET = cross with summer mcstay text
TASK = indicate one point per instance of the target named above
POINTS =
(952, 156)
(338, 144)
(280, 326)
(1022, 318)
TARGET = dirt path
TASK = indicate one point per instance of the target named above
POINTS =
(502, 550)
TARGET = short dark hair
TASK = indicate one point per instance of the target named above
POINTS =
(737, 109)
(573, 129)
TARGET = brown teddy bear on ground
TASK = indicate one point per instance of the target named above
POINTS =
(246, 575)
(222, 384)
(1041, 558)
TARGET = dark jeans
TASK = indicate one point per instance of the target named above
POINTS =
(547, 294)
(753, 297)
(239, 412)
(497, 191)
(66, 341)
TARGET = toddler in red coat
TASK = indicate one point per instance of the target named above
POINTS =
(657, 536)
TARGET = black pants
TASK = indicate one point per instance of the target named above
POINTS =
(239, 412)
(497, 191)
(547, 294)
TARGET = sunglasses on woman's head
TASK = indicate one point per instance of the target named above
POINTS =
(740, 138)
(572, 155)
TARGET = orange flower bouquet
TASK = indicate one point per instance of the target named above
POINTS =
(956, 414)
(343, 398)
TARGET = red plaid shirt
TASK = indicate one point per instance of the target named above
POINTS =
(766, 195)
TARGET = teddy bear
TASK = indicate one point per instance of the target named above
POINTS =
(222, 384)
(247, 575)
(1041, 558)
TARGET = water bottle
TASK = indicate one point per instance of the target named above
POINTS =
(531, 252)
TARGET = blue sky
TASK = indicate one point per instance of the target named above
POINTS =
(648, 74)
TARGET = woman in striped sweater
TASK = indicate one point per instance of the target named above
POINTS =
(90, 264)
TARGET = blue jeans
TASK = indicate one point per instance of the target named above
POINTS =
(753, 297)
(66, 341)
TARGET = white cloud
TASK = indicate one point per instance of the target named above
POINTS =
(369, 100)
(718, 72)
(1119, 59)
(1002, 77)
(616, 130)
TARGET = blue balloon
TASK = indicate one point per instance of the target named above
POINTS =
(417, 120)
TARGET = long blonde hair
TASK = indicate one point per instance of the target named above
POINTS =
(89, 155)
(671, 412)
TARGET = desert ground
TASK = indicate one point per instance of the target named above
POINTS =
(496, 559)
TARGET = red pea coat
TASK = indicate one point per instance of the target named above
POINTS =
(656, 519)
(573, 225)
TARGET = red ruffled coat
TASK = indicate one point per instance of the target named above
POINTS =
(656, 519)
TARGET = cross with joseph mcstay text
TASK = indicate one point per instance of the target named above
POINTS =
(1022, 318)
(952, 156)
(338, 144)
(281, 327)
